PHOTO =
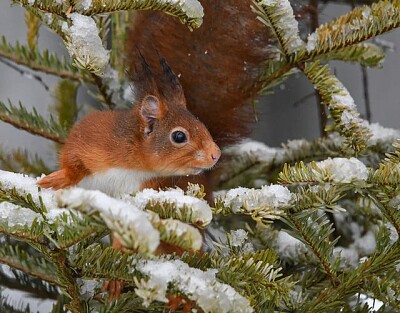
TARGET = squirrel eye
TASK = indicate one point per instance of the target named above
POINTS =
(178, 136)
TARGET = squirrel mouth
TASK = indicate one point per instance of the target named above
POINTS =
(198, 170)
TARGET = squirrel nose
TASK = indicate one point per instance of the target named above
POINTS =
(215, 155)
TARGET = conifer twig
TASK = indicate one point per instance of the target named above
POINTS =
(69, 284)
(31, 122)
(15, 57)
(26, 270)
(317, 252)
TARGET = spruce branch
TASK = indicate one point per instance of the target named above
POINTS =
(65, 105)
(263, 205)
(379, 262)
(274, 74)
(188, 207)
(147, 275)
(7, 306)
(66, 278)
(354, 27)
(104, 96)
(76, 229)
(278, 15)
(19, 258)
(314, 231)
(188, 12)
(46, 6)
(341, 106)
(366, 54)
(257, 275)
(177, 233)
(19, 160)
(32, 122)
(32, 25)
(317, 197)
(45, 61)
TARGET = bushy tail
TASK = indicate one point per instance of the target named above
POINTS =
(56, 180)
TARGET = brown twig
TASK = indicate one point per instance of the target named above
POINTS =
(103, 91)
(41, 68)
(34, 131)
(18, 266)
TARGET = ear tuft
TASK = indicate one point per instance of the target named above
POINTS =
(171, 87)
(151, 110)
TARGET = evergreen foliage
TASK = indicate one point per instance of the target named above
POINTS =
(322, 234)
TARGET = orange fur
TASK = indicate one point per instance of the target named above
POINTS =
(138, 139)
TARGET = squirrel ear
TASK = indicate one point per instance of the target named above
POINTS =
(151, 109)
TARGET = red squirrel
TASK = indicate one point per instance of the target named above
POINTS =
(218, 64)
(117, 151)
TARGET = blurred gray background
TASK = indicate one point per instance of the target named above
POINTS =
(281, 116)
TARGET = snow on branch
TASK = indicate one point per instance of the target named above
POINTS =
(134, 227)
(278, 15)
(189, 12)
(84, 44)
(263, 204)
(341, 105)
(199, 286)
(358, 25)
(24, 185)
(331, 170)
(129, 224)
(23, 203)
(174, 203)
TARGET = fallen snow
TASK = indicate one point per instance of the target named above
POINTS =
(344, 170)
(25, 185)
(84, 43)
(288, 26)
(268, 197)
(186, 232)
(198, 209)
(199, 286)
(237, 237)
(14, 215)
(130, 224)
(289, 247)
(382, 134)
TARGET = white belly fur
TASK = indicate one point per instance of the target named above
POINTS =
(115, 181)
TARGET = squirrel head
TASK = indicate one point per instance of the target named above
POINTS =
(173, 141)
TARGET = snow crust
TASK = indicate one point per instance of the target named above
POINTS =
(84, 43)
(199, 286)
(187, 232)
(199, 209)
(273, 196)
(288, 25)
(344, 170)
(362, 246)
(130, 224)
(382, 134)
(289, 247)
(15, 215)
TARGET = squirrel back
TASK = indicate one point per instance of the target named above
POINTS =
(219, 64)
(117, 151)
